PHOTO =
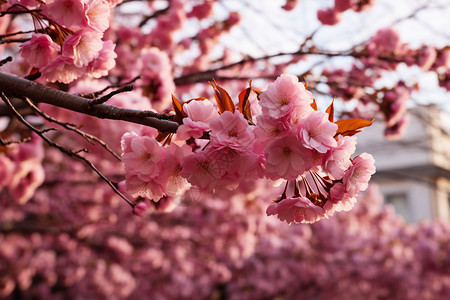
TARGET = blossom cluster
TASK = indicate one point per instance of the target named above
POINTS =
(220, 148)
(332, 16)
(67, 43)
(385, 51)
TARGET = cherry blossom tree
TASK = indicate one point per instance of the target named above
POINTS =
(108, 103)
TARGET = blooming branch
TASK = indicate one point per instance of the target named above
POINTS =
(14, 86)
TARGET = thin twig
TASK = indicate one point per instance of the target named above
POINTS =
(6, 60)
(63, 149)
(6, 143)
(10, 41)
(89, 137)
(96, 94)
(15, 33)
(126, 88)
(154, 15)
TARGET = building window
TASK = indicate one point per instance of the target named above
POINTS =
(400, 203)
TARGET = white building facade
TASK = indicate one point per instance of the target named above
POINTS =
(413, 172)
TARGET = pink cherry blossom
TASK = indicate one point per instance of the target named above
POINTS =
(298, 210)
(343, 5)
(97, 13)
(317, 132)
(284, 96)
(231, 130)
(398, 129)
(329, 16)
(192, 129)
(427, 57)
(346, 204)
(140, 209)
(385, 41)
(62, 69)
(200, 113)
(201, 11)
(337, 193)
(268, 128)
(142, 187)
(340, 198)
(23, 188)
(356, 178)
(69, 13)
(83, 46)
(6, 170)
(126, 141)
(443, 60)
(154, 62)
(103, 61)
(395, 103)
(40, 50)
(237, 166)
(203, 111)
(30, 4)
(287, 158)
(201, 169)
(170, 179)
(290, 5)
(337, 160)
(144, 157)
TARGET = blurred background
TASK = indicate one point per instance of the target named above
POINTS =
(64, 234)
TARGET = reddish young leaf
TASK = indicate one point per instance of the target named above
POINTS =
(179, 112)
(34, 74)
(257, 92)
(350, 126)
(244, 104)
(314, 104)
(243, 98)
(223, 99)
(195, 99)
(161, 136)
(330, 111)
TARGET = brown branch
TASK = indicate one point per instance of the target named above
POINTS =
(71, 127)
(9, 142)
(18, 104)
(10, 41)
(64, 150)
(14, 86)
(154, 15)
(98, 93)
(204, 76)
(97, 101)
(6, 60)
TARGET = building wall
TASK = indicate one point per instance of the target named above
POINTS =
(410, 198)
(413, 173)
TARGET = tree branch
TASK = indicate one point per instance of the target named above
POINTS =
(71, 127)
(14, 86)
(204, 76)
(64, 150)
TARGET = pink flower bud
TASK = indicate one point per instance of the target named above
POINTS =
(139, 209)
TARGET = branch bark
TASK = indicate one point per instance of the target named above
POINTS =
(14, 86)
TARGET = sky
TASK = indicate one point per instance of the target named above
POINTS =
(267, 30)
